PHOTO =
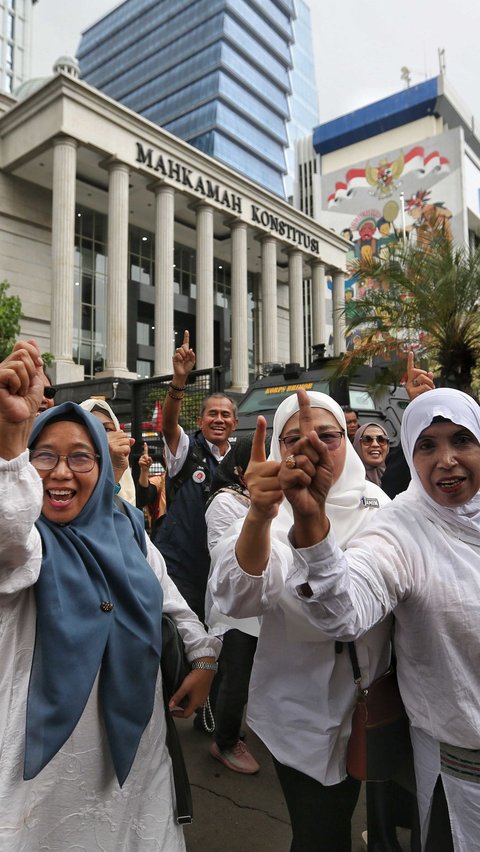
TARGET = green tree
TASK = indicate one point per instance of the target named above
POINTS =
(423, 296)
(10, 314)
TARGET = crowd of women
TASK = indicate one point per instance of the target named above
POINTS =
(308, 554)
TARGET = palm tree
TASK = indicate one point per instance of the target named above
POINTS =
(423, 296)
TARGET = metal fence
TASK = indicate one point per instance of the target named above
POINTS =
(147, 400)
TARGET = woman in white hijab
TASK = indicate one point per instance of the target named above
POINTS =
(421, 560)
(119, 444)
(302, 691)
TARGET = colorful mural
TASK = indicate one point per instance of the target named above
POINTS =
(364, 201)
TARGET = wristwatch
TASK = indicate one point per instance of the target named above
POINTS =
(211, 667)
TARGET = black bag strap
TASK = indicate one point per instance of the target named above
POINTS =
(357, 675)
(195, 460)
(183, 793)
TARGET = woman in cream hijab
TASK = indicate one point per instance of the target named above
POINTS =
(119, 444)
(302, 691)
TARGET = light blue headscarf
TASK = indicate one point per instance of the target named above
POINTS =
(94, 559)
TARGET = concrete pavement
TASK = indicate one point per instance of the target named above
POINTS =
(243, 813)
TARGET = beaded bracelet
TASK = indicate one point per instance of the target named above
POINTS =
(176, 388)
(178, 398)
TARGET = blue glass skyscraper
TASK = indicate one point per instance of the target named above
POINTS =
(217, 73)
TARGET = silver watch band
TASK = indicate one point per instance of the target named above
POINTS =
(211, 667)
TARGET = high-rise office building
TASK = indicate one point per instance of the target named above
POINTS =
(216, 73)
(303, 101)
(15, 23)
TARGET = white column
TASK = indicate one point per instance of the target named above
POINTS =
(204, 325)
(117, 271)
(63, 244)
(295, 289)
(319, 334)
(338, 313)
(269, 300)
(164, 247)
(239, 307)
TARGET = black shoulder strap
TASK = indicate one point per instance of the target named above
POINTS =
(183, 794)
(194, 461)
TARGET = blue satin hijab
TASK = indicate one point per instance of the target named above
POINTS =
(89, 564)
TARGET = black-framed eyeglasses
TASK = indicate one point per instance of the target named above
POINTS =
(332, 439)
(78, 462)
(49, 392)
(382, 440)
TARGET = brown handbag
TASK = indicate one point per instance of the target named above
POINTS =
(380, 739)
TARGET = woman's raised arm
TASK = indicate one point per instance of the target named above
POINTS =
(21, 389)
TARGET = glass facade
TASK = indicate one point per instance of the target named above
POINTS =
(303, 101)
(90, 288)
(14, 57)
(214, 72)
(89, 331)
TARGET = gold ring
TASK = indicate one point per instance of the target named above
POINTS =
(290, 461)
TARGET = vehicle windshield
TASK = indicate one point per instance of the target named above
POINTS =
(264, 399)
(361, 399)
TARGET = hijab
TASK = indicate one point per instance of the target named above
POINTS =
(349, 495)
(99, 607)
(127, 485)
(461, 521)
(373, 473)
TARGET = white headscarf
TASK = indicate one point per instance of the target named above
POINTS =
(344, 507)
(127, 486)
(462, 521)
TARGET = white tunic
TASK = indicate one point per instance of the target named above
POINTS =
(75, 802)
(302, 691)
(226, 508)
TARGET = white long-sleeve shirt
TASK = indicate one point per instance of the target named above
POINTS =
(225, 509)
(412, 566)
(75, 800)
(302, 692)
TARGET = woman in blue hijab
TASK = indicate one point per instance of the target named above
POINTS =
(83, 759)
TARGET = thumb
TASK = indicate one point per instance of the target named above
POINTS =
(132, 441)
(258, 443)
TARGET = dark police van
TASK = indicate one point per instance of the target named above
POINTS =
(383, 405)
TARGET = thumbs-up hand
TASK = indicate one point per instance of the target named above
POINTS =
(261, 477)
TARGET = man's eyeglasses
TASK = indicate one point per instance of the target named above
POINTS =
(77, 462)
(49, 392)
(331, 439)
(380, 439)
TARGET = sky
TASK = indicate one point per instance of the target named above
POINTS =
(360, 48)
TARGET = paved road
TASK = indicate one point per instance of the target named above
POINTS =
(242, 813)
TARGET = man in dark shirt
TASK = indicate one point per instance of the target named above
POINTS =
(182, 536)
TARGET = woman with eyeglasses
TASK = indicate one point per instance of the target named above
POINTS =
(302, 692)
(372, 444)
(48, 398)
(83, 756)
